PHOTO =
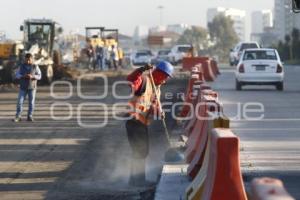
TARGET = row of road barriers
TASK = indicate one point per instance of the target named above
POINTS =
(212, 151)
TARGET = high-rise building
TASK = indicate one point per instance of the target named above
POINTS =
(261, 20)
(140, 33)
(285, 19)
(238, 17)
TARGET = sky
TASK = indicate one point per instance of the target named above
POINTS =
(75, 15)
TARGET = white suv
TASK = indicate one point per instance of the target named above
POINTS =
(235, 53)
(178, 52)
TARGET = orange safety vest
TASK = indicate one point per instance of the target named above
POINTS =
(142, 107)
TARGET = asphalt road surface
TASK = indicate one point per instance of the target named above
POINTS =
(269, 146)
(61, 157)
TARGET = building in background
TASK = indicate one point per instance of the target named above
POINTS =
(285, 19)
(262, 28)
(140, 33)
(261, 20)
(157, 29)
(238, 17)
(178, 28)
(169, 38)
(125, 41)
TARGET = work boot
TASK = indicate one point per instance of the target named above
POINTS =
(30, 119)
(17, 119)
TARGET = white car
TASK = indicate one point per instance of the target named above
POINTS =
(235, 53)
(260, 67)
(178, 52)
(163, 55)
(142, 57)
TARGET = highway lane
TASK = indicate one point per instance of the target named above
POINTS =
(269, 146)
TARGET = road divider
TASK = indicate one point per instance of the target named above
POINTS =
(223, 177)
(206, 65)
(212, 157)
(268, 189)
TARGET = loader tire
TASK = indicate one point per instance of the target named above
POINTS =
(47, 74)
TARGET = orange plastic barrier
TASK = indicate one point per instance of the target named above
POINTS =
(207, 71)
(194, 190)
(189, 62)
(205, 64)
(217, 121)
(224, 179)
(191, 123)
(268, 189)
(189, 95)
(220, 177)
(198, 135)
(214, 67)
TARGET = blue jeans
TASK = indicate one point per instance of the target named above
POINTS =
(21, 99)
(100, 63)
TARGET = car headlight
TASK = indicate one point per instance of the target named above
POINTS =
(1, 67)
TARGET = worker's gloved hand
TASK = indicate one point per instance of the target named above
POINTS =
(28, 76)
(146, 67)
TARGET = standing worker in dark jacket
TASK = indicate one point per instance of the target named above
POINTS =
(28, 74)
(144, 106)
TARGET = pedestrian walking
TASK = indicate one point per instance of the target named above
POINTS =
(28, 74)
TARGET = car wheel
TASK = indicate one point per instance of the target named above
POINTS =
(238, 85)
(279, 86)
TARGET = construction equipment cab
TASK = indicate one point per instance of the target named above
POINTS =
(40, 40)
(101, 36)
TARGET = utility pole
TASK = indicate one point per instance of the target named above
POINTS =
(160, 8)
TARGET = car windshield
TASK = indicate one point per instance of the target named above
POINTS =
(248, 46)
(260, 55)
(184, 49)
(140, 54)
(163, 53)
(39, 33)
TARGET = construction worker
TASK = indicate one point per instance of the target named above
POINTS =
(121, 56)
(28, 74)
(38, 34)
(100, 57)
(144, 106)
(114, 57)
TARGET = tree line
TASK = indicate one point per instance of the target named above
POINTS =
(216, 40)
(289, 49)
(220, 37)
